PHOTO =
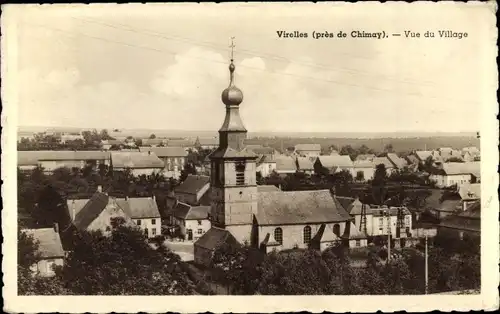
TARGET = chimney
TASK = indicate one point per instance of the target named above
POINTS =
(99, 188)
(56, 227)
(126, 198)
(154, 197)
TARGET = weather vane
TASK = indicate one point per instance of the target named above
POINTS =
(232, 48)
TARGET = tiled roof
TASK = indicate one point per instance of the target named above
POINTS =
(180, 143)
(165, 151)
(90, 210)
(193, 184)
(470, 191)
(363, 164)
(26, 158)
(198, 213)
(139, 207)
(423, 154)
(49, 242)
(356, 207)
(469, 220)
(285, 163)
(454, 168)
(215, 238)
(400, 163)
(136, 160)
(345, 202)
(341, 161)
(181, 210)
(383, 160)
(267, 188)
(299, 207)
(305, 163)
(229, 152)
(308, 147)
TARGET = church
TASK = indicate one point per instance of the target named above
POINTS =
(240, 214)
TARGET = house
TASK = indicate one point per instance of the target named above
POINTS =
(143, 211)
(240, 214)
(266, 164)
(305, 165)
(389, 167)
(153, 142)
(193, 221)
(139, 163)
(27, 160)
(378, 218)
(50, 250)
(96, 213)
(174, 159)
(470, 193)
(51, 160)
(457, 173)
(369, 157)
(107, 144)
(185, 143)
(441, 205)
(285, 165)
(398, 162)
(206, 143)
(363, 170)
(308, 150)
(466, 224)
(192, 190)
(423, 155)
(334, 164)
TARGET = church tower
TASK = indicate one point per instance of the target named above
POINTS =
(233, 174)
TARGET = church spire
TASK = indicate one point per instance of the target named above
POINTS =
(232, 133)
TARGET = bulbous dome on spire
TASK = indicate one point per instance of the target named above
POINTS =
(232, 95)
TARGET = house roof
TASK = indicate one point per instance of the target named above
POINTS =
(398, 162)
(215, 238)
(412, 159)
(305, 163)
(470, 191)
(366, 163)
(198, 213)
(365, 157)
(153, 141)
(345, 202)
(26, 158)
(324, 234)
(332, 161)
(165, 151)
(455, 168)
(180, 210)
(49, 242)
(136, 160)
(299, 207)
(308, 147)
(356, 207)
(383, 160)
(285, 163)
(193, 184)
(139, 207)
(111, 142)
(267, 188)
(90, 210)
(260, 150)
(423, 154)
(352, 232)
(180, 143)
(469, 220)
(229, 152)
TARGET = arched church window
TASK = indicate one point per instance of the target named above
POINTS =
(307, 235)
(278, 235)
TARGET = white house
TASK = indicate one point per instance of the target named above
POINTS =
(457, 173)
(139, 163)
(193, 221)
(335, 163)
(50, 250)
(285, 165)
(305, 165)
(144, 213)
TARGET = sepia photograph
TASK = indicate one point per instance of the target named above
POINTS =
(236, 150)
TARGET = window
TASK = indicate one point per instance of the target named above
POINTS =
(138, 222)
(146, 233)
(240, 173)
(200, 231)
(307, 235)
(153, 231)
(358, 243)
(199, 222)
(278, 235)
(336, 230)
(381, 222)
(153, 221)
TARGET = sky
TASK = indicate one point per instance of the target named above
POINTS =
(165, 66)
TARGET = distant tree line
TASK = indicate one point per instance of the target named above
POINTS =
(41, 141)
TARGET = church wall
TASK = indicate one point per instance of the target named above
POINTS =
(242, 233)
(230, 173)
(293, 234)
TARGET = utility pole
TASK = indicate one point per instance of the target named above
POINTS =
(388, 235)
(426, 267)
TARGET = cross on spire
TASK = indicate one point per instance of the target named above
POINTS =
(232, 48)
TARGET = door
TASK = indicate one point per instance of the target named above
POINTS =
(190, 234)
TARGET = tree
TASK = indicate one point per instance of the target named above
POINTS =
(124, 264)
(388, 148)
(189, 168)
(152, 136)
(379, 184)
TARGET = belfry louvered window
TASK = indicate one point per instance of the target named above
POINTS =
(240, 173)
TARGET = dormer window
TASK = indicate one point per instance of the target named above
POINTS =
(240, 173)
